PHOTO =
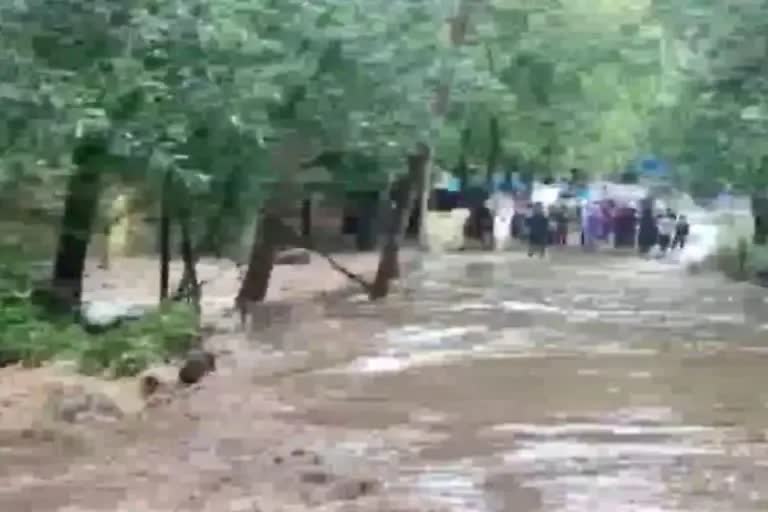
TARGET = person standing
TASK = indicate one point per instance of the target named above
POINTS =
(682, 229)
(594, 225)
(561, 224)
(666, 226)
(648, 233)
(538, 232)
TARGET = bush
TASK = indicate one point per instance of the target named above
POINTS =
(128, 349)
(29, 336)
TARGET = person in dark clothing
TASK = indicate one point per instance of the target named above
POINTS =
(517, 225)
(682, 229)
(485, 225)
(560, 217)
(625, 228)
(648, 233)
(538, 231)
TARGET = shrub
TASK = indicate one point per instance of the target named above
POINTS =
(29, 336)
(131, 347)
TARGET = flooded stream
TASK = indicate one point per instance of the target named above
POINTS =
(585, 383)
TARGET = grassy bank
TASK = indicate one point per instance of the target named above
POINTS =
(30, 337)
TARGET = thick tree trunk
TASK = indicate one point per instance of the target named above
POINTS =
(80, 207)
(261, 262)
(404, 204)
(165, 237)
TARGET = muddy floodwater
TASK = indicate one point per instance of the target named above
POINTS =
(585, 383)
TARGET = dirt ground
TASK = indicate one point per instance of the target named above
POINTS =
(228, 444)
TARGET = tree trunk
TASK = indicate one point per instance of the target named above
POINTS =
(306, 218)
(261, 262)
(404, 204)
(761, 230)
(418, 170)
(463, 167)
(106, 233)
(760, 217)
(493, 150)
(165, 236)
(458, 25)
(190, 260)
(80, 207)
(493, 130)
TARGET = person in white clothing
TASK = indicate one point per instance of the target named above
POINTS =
(667, 224)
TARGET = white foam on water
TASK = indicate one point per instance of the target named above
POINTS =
(470, 306)
(396, 363)
(512, 305)
(459, 486)
(615, 429)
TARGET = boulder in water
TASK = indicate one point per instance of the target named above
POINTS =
(98, 316)
(197, 365)
(296, 256)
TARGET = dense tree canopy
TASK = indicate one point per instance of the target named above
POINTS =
(233, 97)
(207, 89)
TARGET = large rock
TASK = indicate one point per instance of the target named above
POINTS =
(197, 365)
(293, 257)
(98, 316)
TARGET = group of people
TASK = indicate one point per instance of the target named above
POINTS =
(668, 231)
(599, 221)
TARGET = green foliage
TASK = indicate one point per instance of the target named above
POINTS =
(27, 335)
(130, 348)
(573, 84)
(715, 116)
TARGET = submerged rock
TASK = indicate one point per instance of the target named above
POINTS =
(293, 257)
(348, 489)
(197, 365)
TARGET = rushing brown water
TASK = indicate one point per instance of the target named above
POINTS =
(581, 384)
(585, 383)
